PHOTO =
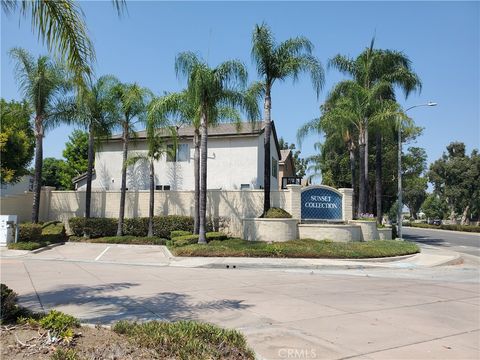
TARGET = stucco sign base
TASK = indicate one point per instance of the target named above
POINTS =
(270, 230)
(334, 232)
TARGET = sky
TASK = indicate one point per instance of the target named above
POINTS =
(441, 39)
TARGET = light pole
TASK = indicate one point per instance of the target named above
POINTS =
(400, 203)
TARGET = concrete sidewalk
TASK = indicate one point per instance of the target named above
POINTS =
(151, 255)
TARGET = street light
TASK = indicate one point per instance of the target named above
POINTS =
(400, 204)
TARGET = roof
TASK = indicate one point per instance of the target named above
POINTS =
(81, 177)
(225, 129)
(284, 153)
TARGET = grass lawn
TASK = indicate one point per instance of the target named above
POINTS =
(306, 248)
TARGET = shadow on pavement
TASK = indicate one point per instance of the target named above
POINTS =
(427, 240)
(104, 304)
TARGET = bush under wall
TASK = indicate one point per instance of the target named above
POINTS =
(29, 232)
(277, 213)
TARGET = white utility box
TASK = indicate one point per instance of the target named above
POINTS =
(8, 229)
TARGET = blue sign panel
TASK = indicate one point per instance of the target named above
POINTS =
(321, 203)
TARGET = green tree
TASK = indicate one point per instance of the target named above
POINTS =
(371, 67)
(17, 140)
(434, 207)
(278, 62)
(216, 94)
(299, 163)
(76, 156)
(44, 85)
(455, 179)
(53, 172)
(61, 25)
(414, 183)
(131, 102)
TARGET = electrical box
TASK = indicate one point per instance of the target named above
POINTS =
(8, 229)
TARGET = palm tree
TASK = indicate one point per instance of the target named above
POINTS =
(132, 101)
(215, 94)
(61, 25)
(181, 109)
(278, 62)
(370, 67)
(158, 134)
(98, 114)
(44, 85)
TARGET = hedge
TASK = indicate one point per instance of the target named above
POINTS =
(29, 232)
(193, 238)
(466, 228)
(107, 227)
(277, 213)
(53, 232)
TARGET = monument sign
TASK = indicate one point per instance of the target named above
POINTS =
(321, 203)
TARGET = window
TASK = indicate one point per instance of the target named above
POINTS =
(158, 187)
(182, 153)
(162, 187)
(274, 167)
(244, 186)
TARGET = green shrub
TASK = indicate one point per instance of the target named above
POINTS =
(193, 238)
(275, 213)
(53, 232)
(454, 227)
(8, 303)
(29, 245)
(177, 233)
(93, 227)
(186, 340)
(164, 225)
(29, 232)
(60, 324)
(64, 354)
(135, 226)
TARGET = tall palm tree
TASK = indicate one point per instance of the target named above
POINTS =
(98, 114)
(216, 93)
(132, 101)
(370, 67)
(44, 84)
(61, 25)
(181, 109)
(278, 62)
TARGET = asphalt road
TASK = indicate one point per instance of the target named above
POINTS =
(463, 242)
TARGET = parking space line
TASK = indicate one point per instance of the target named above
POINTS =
(102, 253)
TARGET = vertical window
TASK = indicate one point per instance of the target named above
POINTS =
(182, 152)
(274, 167)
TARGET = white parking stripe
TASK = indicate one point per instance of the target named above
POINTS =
(102, 253)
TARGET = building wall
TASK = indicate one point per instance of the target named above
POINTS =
(15, 189)
(232, 161)
(274, 181)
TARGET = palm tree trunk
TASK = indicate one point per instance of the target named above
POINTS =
(152, 199)
(361, 177)
(196, 171)
(123, 190)
(365, 184)
(378, 176)
(202, 239)
(88, 193)
(351, 150)
(37, 179)
(266, 149)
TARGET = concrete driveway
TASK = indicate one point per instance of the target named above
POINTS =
(367, 314)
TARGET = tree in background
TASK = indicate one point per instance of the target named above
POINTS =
(44, 85)
(17, 141)
(455, 180)
(278, 62)
(54, 172)
(434, 207)
(300, 163)
(131, 104)
(217, 93)
(414, 164)
(76, 157)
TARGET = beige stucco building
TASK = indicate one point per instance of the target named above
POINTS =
(235, 161)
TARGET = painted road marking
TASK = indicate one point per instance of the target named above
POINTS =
(102, 253)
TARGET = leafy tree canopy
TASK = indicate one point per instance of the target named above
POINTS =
(76, 156)
(414, 164)
(53, 170)
(17, 141)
